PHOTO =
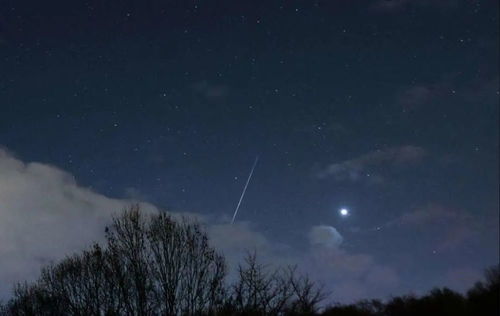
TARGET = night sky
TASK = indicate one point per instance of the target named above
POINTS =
(388, 109)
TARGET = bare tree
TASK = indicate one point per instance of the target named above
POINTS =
(129, 258)
(163, 266)
(150, 266)
(262, 291)
(307, 295)
(33, 300)
(155, 265)
(188, 274)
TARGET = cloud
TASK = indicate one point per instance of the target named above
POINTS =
(453, 227)
(351, 276)
(242, 237)
(238, 240)
(326, 236)
(417, 96)
(462, 279)
(348, 275)
(390, 6)
(45, 215)
(382, 277)
(431, 214)
(414, 97)
(356, 168)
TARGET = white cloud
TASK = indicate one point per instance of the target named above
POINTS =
(45, 215)
(326, 236)
(351, 276)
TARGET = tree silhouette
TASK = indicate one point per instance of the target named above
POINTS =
(156, 265)
(482, 299)
(260, 290)
(150, 266)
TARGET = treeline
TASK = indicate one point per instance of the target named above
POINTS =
(483, 299)
(155, 265)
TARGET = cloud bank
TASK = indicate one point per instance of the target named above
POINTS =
(45, 215)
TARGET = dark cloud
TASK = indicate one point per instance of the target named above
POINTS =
(415, 97)
(455, 227)
(357, 168)
(432, 214)
(398, 5)
(420, 96)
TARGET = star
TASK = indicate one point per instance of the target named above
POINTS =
(344, 212)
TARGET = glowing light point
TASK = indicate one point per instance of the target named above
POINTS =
(344, 212)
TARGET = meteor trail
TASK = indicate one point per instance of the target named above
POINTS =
(245, 189)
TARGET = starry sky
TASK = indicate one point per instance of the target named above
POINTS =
(387, 108)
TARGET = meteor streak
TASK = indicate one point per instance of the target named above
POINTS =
(245, 189)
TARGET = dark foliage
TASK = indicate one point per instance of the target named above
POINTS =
(482, 299)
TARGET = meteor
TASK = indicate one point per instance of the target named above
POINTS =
(245, 189)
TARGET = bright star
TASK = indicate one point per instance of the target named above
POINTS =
(344, 212)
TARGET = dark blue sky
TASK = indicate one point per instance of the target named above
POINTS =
(387, 108)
